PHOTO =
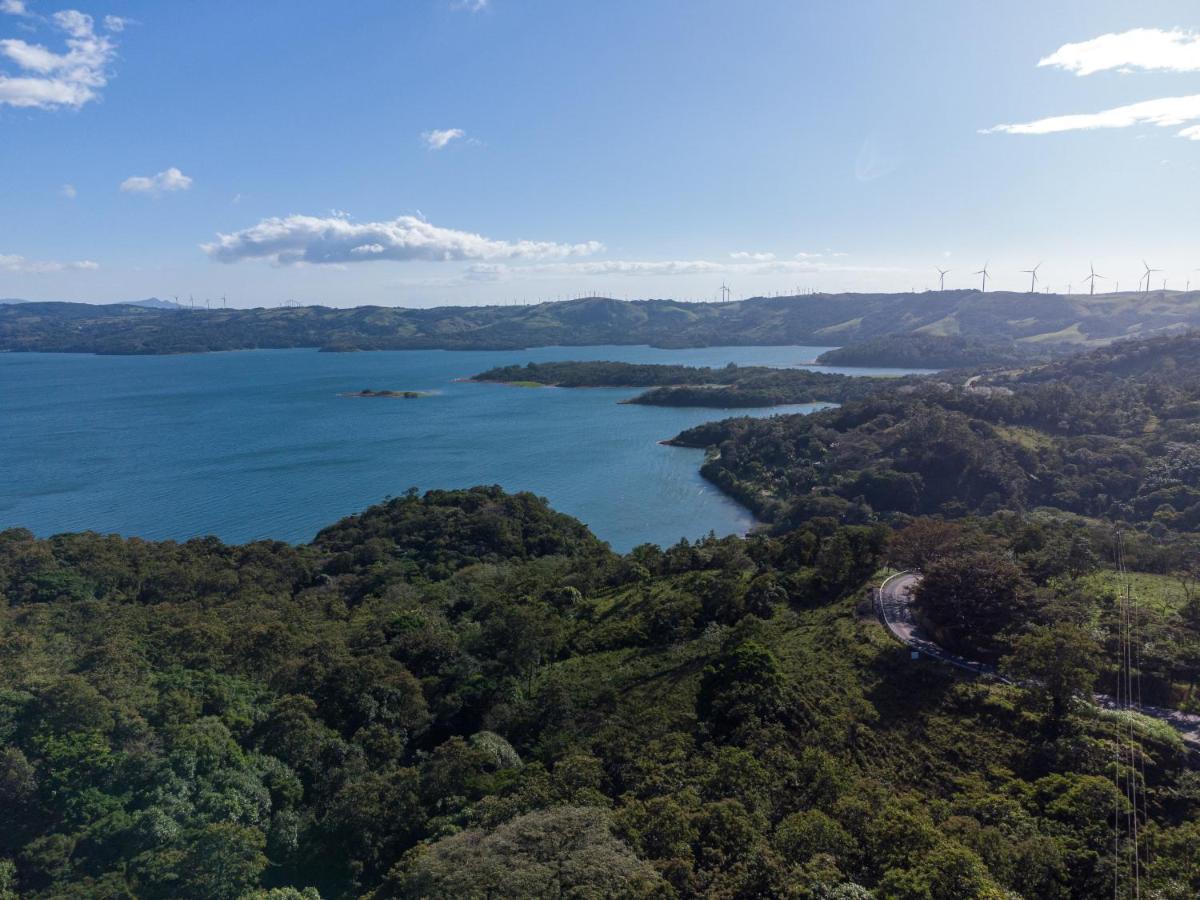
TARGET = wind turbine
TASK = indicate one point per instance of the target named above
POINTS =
(984, 273)
(1091, 279)
(1149, 272)
(725, 292)
(1032, 273)
(942, 278)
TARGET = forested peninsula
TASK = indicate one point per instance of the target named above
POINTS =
(934, 351)
(728, 387)
(1111, 433)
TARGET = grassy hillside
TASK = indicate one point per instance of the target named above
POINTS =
(821, 319)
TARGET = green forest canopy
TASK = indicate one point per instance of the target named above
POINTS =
(466, 694)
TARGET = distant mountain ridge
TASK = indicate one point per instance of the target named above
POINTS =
(813, 319)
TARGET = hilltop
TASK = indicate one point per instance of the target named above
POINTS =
(813, 319)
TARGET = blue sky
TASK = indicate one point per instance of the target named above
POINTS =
(429, 152)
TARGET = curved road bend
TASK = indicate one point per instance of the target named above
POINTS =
(895, 609)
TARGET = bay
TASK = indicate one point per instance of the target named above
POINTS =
(260, 444)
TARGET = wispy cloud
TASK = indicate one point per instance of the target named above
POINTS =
(336, 239)
(439, 138)
(1147, 49)
(14, 263)
(470, 5)
(68, 191)
(757, 257)
(1151, 49)
(1165, 112)
(51, 80)
(164, 182)
(665, 268)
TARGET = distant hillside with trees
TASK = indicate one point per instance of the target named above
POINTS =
(812, 320)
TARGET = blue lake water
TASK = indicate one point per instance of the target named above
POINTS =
(259, 444)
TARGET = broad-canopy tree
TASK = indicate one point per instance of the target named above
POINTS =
(972, 598)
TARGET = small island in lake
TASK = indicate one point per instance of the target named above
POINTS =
(402, 395)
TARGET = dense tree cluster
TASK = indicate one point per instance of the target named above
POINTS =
(467, 695)
(1018, 588)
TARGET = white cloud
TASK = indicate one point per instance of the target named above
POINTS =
(470, 5)
(439, 138)
(115, 23)
(14, 263)
(757, 257)
(311, 239)
(14, 7)
(51, 80)
(1152, 49)
(1164, 112)
(164, 182)
(68, 191)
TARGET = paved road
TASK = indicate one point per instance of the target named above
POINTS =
(895, 609)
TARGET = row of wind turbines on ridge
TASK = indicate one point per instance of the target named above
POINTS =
(1090, 278)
